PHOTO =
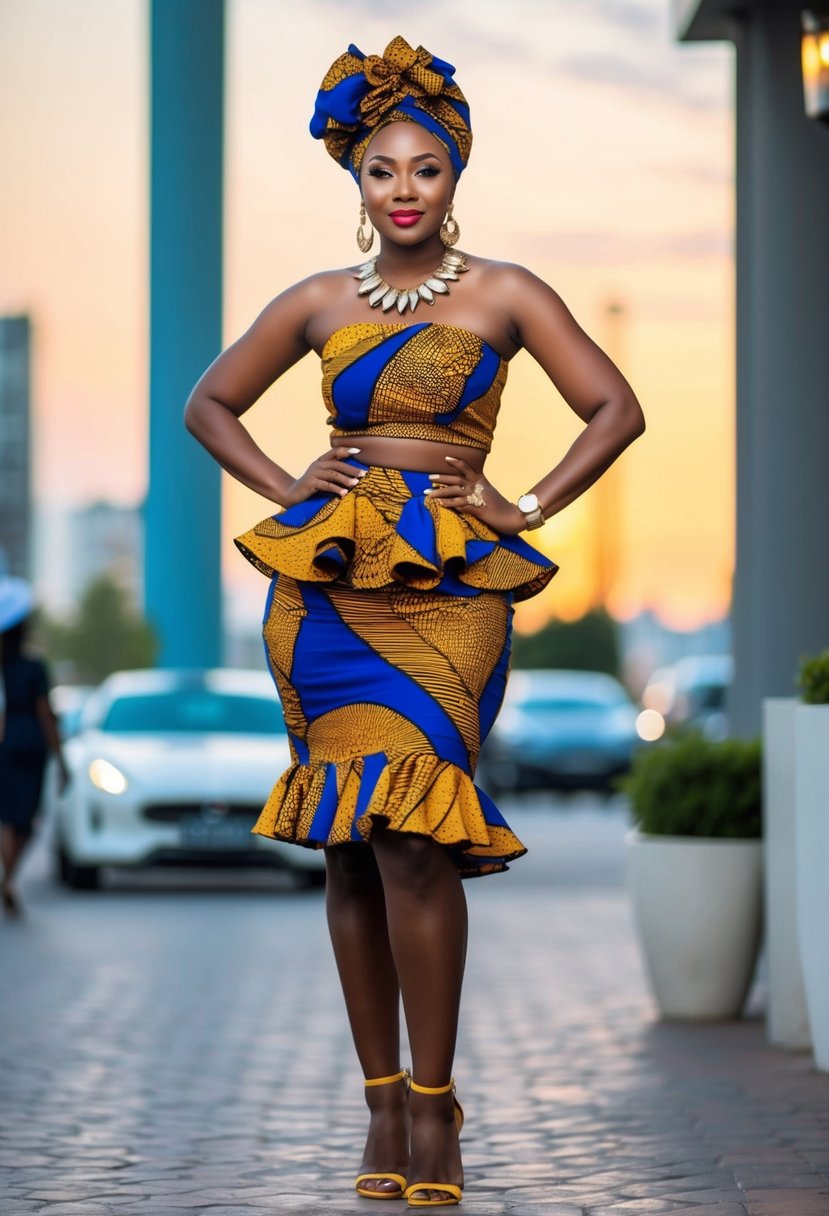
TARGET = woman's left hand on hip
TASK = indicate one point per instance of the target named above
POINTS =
(466, 490)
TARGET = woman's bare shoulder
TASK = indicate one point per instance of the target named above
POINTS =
(306, 299)
(315, 290)
(506, 276)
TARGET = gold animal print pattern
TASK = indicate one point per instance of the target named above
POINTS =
(361, 729)
(376, 759)
(469, 632)
(356, 541)
(425, 378)
(407, 651)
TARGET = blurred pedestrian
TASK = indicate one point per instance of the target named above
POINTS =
(28, 732)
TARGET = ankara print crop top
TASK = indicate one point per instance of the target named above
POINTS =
(424, 381)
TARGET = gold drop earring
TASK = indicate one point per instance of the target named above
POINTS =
(450, 229)
(365, 240)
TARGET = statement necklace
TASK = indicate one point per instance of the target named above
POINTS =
(382, 293)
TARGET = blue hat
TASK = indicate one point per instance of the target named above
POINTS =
(16, 601)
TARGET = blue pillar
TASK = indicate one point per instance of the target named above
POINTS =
(183, 507)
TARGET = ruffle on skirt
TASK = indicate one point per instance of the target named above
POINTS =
(331, 803)
(386, 531)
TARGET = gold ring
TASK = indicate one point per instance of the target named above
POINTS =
(476, 498)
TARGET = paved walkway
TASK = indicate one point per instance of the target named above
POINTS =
(171, 1047)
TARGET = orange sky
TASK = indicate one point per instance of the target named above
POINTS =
(602, 160)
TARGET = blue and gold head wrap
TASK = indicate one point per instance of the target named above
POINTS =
(362, 93)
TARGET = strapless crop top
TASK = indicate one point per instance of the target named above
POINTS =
(424, 381)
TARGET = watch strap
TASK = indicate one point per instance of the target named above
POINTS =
(534, 518)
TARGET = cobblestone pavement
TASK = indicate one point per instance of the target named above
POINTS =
(178, 1045)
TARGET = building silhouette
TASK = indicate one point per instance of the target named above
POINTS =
(15, 447)
(106, 538)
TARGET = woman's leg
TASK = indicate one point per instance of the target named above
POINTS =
(356, 913)
(427, 923)
(12, 845)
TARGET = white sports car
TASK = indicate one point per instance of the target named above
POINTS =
(172, 767)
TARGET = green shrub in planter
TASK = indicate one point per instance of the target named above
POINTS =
(813, 679)
(689, 785)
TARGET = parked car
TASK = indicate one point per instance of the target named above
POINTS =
(172, 767)
(67, 701)
(560, 729)
(693, 692)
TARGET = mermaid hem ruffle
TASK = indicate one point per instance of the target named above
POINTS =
(339, 802)
(412, 541)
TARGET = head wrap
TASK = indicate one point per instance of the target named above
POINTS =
(362, 93)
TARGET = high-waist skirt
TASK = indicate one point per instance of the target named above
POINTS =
(387, 630)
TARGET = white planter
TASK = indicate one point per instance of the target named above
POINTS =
(697, 904)
(787, 1020)
(812, 867)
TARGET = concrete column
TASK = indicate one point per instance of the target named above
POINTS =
(183, 507)
(781, 590)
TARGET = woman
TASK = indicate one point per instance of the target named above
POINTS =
(393, 567)
(28, 732)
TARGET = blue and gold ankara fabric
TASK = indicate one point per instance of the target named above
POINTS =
(362, 93)
(423, 381)
(426, 381)
(387, 697)
(385, 531)
(388, 619)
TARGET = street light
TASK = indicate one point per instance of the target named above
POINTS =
(814, 47)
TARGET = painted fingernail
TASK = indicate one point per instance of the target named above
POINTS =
(450, 458)
(354, 451)
(362, 472)
(434, 476)
(354, 480)
(425, 492)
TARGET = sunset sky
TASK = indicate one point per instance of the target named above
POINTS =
(602, 160)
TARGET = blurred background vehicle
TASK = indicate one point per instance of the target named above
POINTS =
(560, 729)
(67, 700)
(172, 767)
(693, 692)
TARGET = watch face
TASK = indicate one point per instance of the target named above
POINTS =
(527, 503)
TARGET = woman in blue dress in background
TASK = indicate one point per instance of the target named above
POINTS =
(28, 732)
(393, 567)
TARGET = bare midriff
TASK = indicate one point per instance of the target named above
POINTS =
(417, 455)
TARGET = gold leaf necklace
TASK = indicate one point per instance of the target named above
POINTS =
(381, 293)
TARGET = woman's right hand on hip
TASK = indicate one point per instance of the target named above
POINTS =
(328, 474)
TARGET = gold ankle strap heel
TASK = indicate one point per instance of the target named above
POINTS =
(403, 1075)
(441, 1089)
(449, 1189)
(369, 1193)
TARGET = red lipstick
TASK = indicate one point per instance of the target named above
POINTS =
(405, 219)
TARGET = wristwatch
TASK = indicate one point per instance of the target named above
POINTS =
(529, 504)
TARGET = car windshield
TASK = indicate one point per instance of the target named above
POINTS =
(708, 696)
(194, 710)
(568, 702)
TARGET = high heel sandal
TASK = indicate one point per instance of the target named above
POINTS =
(404, 1076)
(449, 1188)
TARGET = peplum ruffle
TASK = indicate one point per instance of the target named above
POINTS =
(335, 802)
(385, 531)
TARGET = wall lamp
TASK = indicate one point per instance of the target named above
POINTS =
(814, 49)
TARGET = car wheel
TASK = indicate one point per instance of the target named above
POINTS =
(79, 878)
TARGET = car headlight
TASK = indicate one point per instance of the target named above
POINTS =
(105, 776)
(650, 725)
